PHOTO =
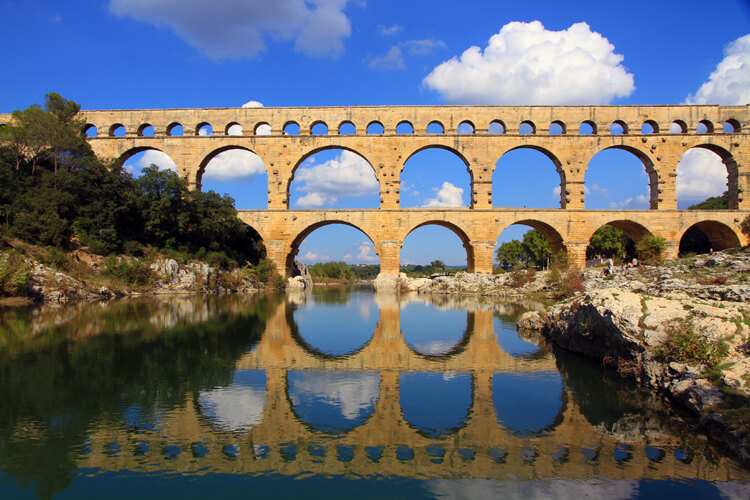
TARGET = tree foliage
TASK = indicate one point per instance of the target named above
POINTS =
(510, 254)
(55, 191)
(537, 247)
(713, 203)
(609, 241)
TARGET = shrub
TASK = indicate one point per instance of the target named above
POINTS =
(683, 344)
(14, 275)
(745, 226)
(650, 249)
(571, 282)
(219, 259)
(132, 247)
(133, 273)
(56, 258)
(520, 278)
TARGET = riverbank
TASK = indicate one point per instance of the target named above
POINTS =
(682, 328)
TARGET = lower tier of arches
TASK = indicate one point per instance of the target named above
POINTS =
(283, 231)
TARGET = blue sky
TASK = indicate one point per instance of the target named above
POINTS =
(190, 53)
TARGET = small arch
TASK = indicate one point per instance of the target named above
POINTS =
(375, 128)
(496, 127)
(465, 128)
(319, 128)
(435, 127)
(90, 130)
(204, 129)
(649, 127)
(263, 128)
(175, 129)
(587, 127)
(678, 127)
(731, 126)
(557, 128)
(117, 130)
(618, 127)
(145, 130)
(527, 127)
(233, 128)
(347, 128)
(704, 127)
(404, 127)
(291, 128)
(719, 235)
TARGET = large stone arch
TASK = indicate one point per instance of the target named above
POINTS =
(719, 234)
(438, 146)
(727, 158)
(554, 237)
(546, 152)
(328, 147)
(648, 164)
(634, 229)
(293, 246)
(214, 153)
(456, 349)
(455, 229)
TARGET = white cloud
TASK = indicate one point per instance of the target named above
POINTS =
(240, 28)
(526, 64)
(640, 202)
(392, 60)
(350, 393)
(234, 165)
(311, 256)
(235, 407)
(700, 175)
(264, 129)
(366, 252)
(422, 47)
(730, 81)
(148, 158)
(347, 175)
(252, 104)
(447, 196)
(389, 30)
(235, 129)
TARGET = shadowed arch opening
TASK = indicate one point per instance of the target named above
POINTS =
(618, 127)
(621, 178)
(678, 127)
(238, 172)
(557, 128)
(707, 171)
(527, 128)
(233, 129)
(434, 177)
(404, 127)
(333, 177)
(175, 129)
(708, 236)
(90, 130)
(435, 127)
(527, 243)
(731, 126)
(587, 128)
(319, 128)
(375, 128)
(291, 128)
(615, 239)
(204, 129)
(496, 127)
(145, 130)
(528, 176)
(347, 128)
(436, 246)
(704, 127)
(650, 127)
(117, 130)
(262, 128)
(136, 159)
(332, 241)
(465, 128)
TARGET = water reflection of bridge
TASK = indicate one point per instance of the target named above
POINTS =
(386, 443)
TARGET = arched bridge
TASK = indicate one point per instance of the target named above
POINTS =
(387, 136)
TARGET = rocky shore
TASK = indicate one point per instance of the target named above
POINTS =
(682, 328)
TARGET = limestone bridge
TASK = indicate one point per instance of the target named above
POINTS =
(479, 135)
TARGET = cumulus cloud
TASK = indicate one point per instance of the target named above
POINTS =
(264, 129)
(393, 59)
(235, 407)
(311, 256)
(447, 196)
(527, 64)
(148, 158)
(389, 30)
(367, 252)
(730, 81)
(240, 28)
(349, 393)
(700, 175)
(347, 175)
(252, 104)
(640, 202)
(234, 165)
(235, 129)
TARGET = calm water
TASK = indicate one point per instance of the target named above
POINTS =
(343, 393)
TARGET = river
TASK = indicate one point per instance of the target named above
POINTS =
(340, 393)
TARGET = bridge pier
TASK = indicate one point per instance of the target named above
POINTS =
(389, 252)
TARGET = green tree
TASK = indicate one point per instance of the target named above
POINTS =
(510, 253)
(536, 247)
(608, 241)
(713, 203)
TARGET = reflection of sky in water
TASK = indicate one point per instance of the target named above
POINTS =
(333, 401)
(527, 403)
(337, 328)
(429, 330)
(508, 338)
(238, 406)
(558, 489)
(435, 403)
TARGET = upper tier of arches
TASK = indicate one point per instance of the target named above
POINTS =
(450, 120)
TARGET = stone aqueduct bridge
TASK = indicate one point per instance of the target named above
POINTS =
(281, 442)
(494, 131)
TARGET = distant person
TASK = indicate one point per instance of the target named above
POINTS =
(635, 262)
